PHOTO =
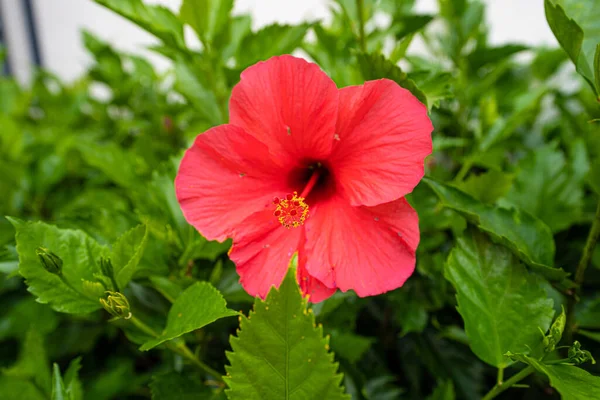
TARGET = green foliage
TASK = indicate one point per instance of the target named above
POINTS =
(173, 386)
(570, 381)
(428, 86)
(32, 365)
(502, 304)
(576, 27)
(79, 253)
(270, 41)
(197, 306)
(445, 391)
(544, 174)
(504, 214)
(126, 254)
(279, 353)
(489, 186)
(207, 17)
(529, 238)
(158, 20)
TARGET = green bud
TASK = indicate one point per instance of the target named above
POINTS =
(108, 274)
(51, 262)
(117, 305)
(578, 356)
(106, 267)
(555, 333)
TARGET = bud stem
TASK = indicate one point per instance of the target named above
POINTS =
(143, 327)
(180, 348)
(588, 250)
(497, 389)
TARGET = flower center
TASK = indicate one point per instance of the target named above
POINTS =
(292, 210)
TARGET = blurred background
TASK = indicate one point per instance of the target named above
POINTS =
(47, 32)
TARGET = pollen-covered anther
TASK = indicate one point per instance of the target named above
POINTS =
(291, 211)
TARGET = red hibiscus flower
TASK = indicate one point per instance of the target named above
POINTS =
(309, 168)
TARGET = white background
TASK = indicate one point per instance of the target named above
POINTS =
(59, 24)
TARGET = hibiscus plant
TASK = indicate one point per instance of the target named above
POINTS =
(380, 205)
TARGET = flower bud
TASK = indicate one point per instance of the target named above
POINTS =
(106, 267)
(578, 356)
(117, 305)
(555, 333)
(51, 262)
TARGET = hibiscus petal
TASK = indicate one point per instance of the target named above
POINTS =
(290, 105)
(370, 250)
(384, 136)
(310, 285)
(226, 176)
(262, 250)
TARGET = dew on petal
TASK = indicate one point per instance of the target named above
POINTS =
(336, 137)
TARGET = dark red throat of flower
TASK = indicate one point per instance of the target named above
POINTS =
(292, 210)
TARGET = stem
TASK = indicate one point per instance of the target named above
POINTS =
(590, 244)
(464, 170)
(500, 376)
(497, 389)
(143, 327)
(361, 25)
(181, 349)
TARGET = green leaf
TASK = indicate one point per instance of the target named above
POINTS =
(59, 391)
(118, 165)
(74, 386)
(25, 315)
(173, 386)
(169, 289)
(203, 100)
(16, 389)
(376, 66)
(271, 40)
(207, 17)
(492, 55)
(428, 86)
(529, 238)
(589, 334)
(489, 186)
(573, 383)
(382, 388)
(444, 391)
(409, 24)
(350, 346)
(567, 32)
(198, 306)
(576, 25)
(32, 363)
(503, 128)
(597, 68)
(587, 313)
(157, 20)
(547, 187)
(502, 304)
(127, 253)
(437, 85)
(79, 254)
(279, 353)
